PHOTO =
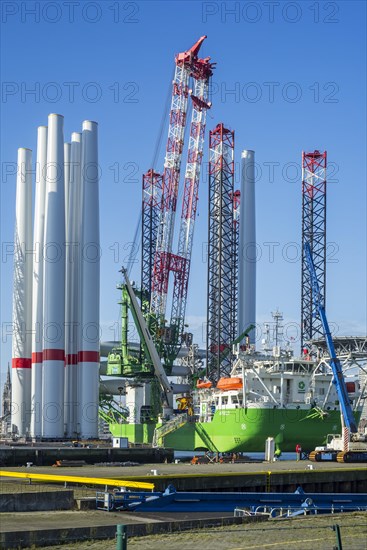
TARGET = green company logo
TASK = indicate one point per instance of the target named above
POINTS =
(301, 386)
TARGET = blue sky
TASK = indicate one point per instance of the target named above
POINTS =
(290, 76)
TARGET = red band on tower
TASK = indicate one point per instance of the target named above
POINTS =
(21, 363)
(37, 357)
(53, 355)
(88, 357)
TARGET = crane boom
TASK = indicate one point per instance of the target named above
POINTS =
(202, 71)
(346, 409)
(159, 371)
(187, 64)
(171, 177)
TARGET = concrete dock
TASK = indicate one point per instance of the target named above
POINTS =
(47, 455)
(82, 522)
(282, 476)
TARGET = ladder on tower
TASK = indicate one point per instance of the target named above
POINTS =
(168, 427)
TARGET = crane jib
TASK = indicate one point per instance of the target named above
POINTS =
(339, 381)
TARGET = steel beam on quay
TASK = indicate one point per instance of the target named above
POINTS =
(78, 479)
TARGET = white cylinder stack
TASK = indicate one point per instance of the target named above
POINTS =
(247, 246)
(56, 328)
(37, 290)
(88, 354)
(22, 296)
(54, 284)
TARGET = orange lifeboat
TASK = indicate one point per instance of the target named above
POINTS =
(230, 383)
(201, 384)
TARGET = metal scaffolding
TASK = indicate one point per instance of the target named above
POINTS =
(221, 316)
(313, 232)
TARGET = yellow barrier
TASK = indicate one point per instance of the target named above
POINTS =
(83, 480)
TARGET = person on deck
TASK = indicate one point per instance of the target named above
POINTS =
(298, 451)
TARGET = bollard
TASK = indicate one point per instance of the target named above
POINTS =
(338, 546)
(121, 537)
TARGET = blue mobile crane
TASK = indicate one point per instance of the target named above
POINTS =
(350, 446)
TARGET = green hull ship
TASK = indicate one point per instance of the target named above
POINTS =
(241, 431)
(294, 401)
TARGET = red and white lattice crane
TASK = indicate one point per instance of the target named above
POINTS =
(188, 65)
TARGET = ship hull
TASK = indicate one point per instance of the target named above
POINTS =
(242, 430)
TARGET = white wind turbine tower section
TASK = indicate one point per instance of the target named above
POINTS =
(22, 296)
(37, 286)
(67, 153)
(72, 301)
(88, 355)
(54, 284)
(68, 319)
(56, 332)
(247, 246)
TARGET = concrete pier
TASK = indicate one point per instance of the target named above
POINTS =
(24, 528)
(281, 476)
(19, 455)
